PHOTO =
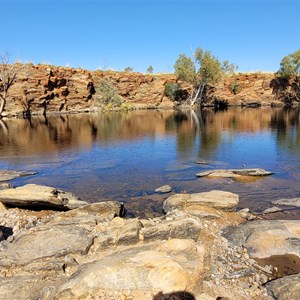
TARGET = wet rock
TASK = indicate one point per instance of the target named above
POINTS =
(288, 202)
(154, 268)
(32, 195)
(164, 189)
(193, 202)
(272, 210)
(234, 173)
(285, 288)
(6, 175)
(267, 238)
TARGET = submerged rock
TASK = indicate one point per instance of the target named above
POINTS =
(32, 195)
(192, 202)
(164, 189)
(234, 173)
(6, 175)
(288, 202)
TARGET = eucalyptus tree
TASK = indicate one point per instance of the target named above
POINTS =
(290, 65)
(202, 70)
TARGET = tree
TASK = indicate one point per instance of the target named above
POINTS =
(290, 65)
(210, 71)
(8, 74)
(128, 69)
(149, 70)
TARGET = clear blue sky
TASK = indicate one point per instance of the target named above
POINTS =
(89, 34)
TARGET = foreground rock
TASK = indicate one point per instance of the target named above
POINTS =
(6, 175)
(275, 242)
(234, 173)
(216, 199)
(286, 288)
(32, 195)
(288, 202)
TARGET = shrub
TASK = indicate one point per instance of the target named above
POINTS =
(235, 87)
(107, 94)
(170, 90)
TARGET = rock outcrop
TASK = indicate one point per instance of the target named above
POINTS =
(46, 89)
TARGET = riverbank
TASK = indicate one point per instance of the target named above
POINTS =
(201, 248)
(41, 89)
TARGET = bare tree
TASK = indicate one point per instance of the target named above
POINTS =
(8, 74)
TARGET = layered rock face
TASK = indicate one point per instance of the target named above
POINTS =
(43, 88)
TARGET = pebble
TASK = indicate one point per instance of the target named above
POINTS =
(10, 238)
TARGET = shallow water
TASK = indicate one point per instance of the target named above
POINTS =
(126, 155)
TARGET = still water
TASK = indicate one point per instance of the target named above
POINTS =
(125, 156)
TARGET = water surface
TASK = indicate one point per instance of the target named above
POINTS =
(125, 156)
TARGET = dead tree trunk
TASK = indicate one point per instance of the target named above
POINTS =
(199, 91)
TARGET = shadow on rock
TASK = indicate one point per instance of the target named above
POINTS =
(174, 296)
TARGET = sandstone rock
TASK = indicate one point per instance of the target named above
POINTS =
(6, 175)
(155, 268)
(234, 173)
(267, 238)
(27, 287)
(4, 186)
(272, 210)
(285, 288)
(164, 189)
(289, 202)
(2, 207)
(191, 202)
(39, 196)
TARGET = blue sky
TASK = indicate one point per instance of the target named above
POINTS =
(105, 34)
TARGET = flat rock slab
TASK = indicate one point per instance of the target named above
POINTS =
(267, 238)
(164, 266)
(285, 288)
(6, 175)
(32, 195)
(234, 173)
(288, 202)
(193, 202)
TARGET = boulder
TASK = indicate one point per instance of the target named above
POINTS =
(162, 267)
(6, 175)
(193, 202)
(32, 195)
(288, 202)
(234, 173)
(285, 288)
(268, 240)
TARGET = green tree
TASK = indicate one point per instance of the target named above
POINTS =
(107, 94)
(128, 69)
(204, 69)
(149, 70)
(290, 65)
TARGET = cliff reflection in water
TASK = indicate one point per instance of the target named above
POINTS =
(126, 155)
(41, 135)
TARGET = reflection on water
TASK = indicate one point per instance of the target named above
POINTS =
(125, 156)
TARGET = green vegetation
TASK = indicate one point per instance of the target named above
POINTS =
(290, 65)
(107, 94)
(128, 69)
(174, 92)
(204, 69)
(149, 70)
(235, 87)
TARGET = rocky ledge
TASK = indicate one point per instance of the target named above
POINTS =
(200, 249)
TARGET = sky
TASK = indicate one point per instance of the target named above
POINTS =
(103, 34)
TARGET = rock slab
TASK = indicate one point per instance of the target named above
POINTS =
(32, 195)
(234, 173)
(217, 199)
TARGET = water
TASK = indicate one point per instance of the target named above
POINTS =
(125, 156)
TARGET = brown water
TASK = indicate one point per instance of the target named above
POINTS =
(126, 155)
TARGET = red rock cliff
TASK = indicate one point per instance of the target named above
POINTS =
(55, 89)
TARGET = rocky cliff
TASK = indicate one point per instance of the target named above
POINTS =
(43, 88)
